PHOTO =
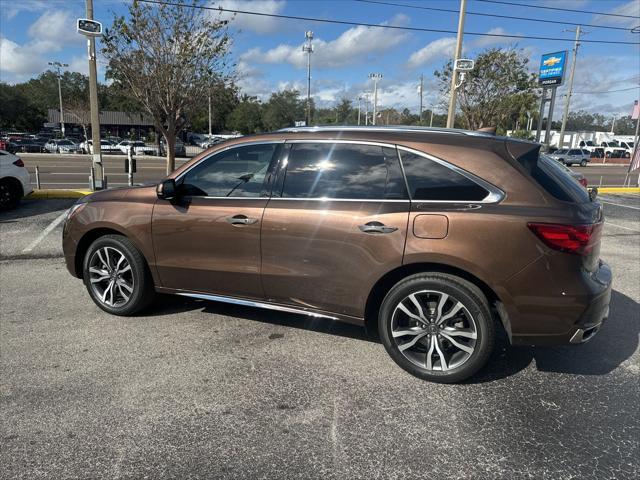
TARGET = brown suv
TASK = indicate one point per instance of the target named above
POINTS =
(436, 237)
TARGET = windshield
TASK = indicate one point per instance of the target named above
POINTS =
(137, 144)
(560, 152)
(65, 142)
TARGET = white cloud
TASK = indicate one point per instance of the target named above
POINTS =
(631, 8)
(255, 23)
(53, 30)
(10, 10)
(50, 33)
(440, 48)
(355, 45)
(18, 61)
(483, 42)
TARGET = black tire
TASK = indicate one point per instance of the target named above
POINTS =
(583, 163)
(143, 290)
(459, 290)
(10, 193)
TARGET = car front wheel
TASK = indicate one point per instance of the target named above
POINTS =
(116, 276)
(437, 327)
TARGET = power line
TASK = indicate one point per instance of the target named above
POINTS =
(375, 25)
(495, 15)
(557, 8)
(609, 91)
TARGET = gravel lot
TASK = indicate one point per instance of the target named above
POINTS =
(196, 389)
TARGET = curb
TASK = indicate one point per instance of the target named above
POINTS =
(618, 189)
(57, 193)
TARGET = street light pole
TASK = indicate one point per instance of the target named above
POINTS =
(59, 65)
(568, 97)
(359, 108)
(451, 116)
(375, 77)
(93, 102)
(421, 87)
(209, 98)
(308, 48)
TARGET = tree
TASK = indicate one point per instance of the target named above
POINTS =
(246, 117)
(224, 99)
(283, 109)
(166, 56)
(497, 89)
(17, 110)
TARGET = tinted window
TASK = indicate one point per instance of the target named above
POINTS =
(429, 180)
(335, 170)
(64, 142)
(550, 175)
(574, 152)
(237, 172)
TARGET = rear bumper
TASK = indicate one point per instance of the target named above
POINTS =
(595, 311)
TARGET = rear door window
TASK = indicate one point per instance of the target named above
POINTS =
(430, 180)
(343, 171)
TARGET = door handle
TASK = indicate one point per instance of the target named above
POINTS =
(241, 220)
(376, 227)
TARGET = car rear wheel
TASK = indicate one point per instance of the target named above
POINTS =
(583, 163)
(116, 276)
(10, 193)
(437, 327)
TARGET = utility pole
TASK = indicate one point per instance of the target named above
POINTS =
(308, 48)
(359, 107)
(375, 77)
(421, 87)
(93, 101)
(565, 113)
(431, 120)
(209, 98)
(451, 116)
(59, 65)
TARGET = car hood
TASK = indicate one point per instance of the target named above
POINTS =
(119, 194)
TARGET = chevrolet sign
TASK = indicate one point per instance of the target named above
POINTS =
(552, 66)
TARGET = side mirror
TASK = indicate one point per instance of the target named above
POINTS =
(166, 190)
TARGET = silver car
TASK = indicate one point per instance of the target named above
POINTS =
(572, 156)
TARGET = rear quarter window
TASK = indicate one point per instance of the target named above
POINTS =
(555, 180)
(430, 180)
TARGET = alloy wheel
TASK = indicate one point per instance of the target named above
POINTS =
(434, 330)
(111, 277)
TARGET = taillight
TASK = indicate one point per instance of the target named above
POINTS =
(19, 163)
(583, 182)
(576, 239)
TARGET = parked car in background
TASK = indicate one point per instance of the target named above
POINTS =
(210, 142)
(572, 156)
(180, 149)
(613, 150)
(577, 176)
(8, 146)
(15, 181)
(30, 145)
(61, 146)
(139, 148)
(437, 239)
(105, 147)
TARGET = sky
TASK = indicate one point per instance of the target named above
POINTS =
(269, 57)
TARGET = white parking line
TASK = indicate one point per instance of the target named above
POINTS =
(620, 226)
(46, 232)
(620, 205)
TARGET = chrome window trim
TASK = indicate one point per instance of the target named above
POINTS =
(253, 303)
(495, 194)
(325, 199)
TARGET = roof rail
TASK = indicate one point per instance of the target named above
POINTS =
(371, 128)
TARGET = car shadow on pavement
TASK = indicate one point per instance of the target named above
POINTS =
(31, 208)
(616, 342)
(168, 304)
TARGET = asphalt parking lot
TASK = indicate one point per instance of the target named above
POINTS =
(196, 389)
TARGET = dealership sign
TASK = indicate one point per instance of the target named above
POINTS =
(552, 66)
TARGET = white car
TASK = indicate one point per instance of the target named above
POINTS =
(15, 181)
(139, 148)
(63, 145)
(106, 146)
